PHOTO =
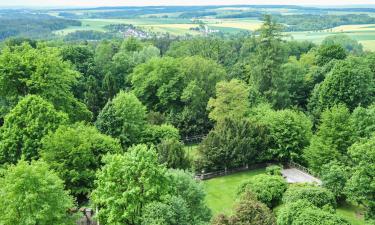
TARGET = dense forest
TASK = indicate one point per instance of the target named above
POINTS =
(32, 25)
(104, 124)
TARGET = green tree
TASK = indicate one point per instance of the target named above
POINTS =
(363, 120)
(25, 126)
(334, 176)
(345, 41)
(249, 211)
(172, 153)
(289, 132)
(32, 194)
(171, 211)
(155, 134)
(179, 88)
(123, 117)
(268, 189)
(75, 153)
(331, 141)
(232, 143)
(232, 100)
(127, 183)
(41, 71)
(350, 82)
(360, 187)
(326, 53)
(185, 186)
(266, 65)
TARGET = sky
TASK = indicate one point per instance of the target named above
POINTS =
(94, 3)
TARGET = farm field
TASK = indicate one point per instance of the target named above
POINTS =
(174, 26)
(365, 33)
(221, 195)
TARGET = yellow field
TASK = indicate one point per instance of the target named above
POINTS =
(230, 23)
(368, 45)
(347, 28)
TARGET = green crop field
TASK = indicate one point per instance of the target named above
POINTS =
(221, 195)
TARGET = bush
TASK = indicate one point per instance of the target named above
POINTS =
(274, 170)
(318, 196)
(288, 212)
(268, 189)
(154, 134)
(318, 216)
(248, 210)
(303, 212)
(172, 153)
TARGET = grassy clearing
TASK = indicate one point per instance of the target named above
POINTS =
(352, 213)
(221, 195)
(221, 191)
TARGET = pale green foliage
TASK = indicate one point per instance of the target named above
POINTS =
(154, 134)
(334, 176)
(318, 196)
(75, 153)
(345, 41)
(192, 192)
(334, 136)
(123, 117)
(350, 82)
(363, 120)
(268, 189)
(289, 132)
(127, 183)
(318, 216)
(24, 127)
(171, 211)
(302, 212)
(25, 70)
(360, 187)
(31, 194)
(232, 100)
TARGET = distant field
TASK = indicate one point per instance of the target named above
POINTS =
(175, 26)
(221, 195)
(365, 33)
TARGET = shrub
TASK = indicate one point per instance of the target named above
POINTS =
(172, 153)
(318, 196)
(268, 189)
(303, 212)
(274, 170)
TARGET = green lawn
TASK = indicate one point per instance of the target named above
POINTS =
(221, 195)
(221, 191)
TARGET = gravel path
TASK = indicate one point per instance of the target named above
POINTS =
(293, 175)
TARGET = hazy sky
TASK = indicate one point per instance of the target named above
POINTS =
(175, 2)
